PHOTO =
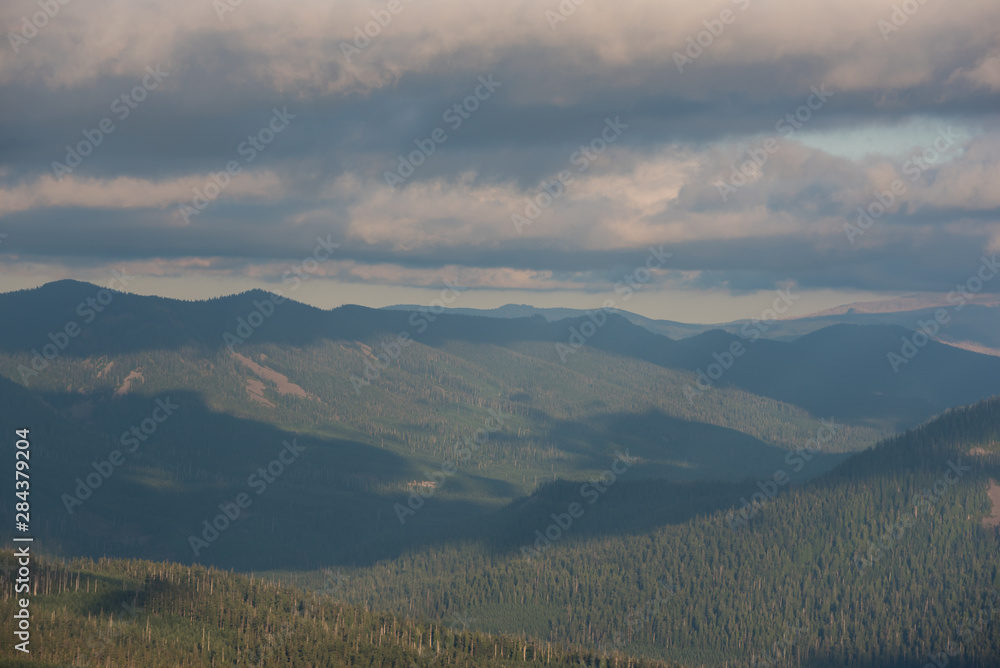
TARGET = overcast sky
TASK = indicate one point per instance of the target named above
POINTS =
(822, 104)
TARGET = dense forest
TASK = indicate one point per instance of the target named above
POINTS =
(135, 614)
(478, 481)
(884, 561)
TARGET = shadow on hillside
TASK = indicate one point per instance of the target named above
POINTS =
(669, 472)
(842, 370)
(675, 449)
(648, 471)
(338, 501)
(308, 501)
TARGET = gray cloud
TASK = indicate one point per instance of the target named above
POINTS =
(657, 185)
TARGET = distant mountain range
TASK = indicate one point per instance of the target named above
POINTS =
(536, 476)
(974, 325)
(382, 397)
(859, 372)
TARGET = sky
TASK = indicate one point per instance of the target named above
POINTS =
(531, 152)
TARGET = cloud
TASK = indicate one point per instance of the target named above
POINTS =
(299, 48)
(362, 101)
(129, 193)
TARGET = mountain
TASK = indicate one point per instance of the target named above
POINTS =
(380, 416)
(583, 485)
(140, 613)
(888, 560)
(972, 323)
(673, 329)
(907, 303)
(848, 369)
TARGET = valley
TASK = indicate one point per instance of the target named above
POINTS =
(480, 477)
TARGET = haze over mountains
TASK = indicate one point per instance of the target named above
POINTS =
(973, 321)
(694, 360)
(527, 475)
(839, 370)
(389, 392)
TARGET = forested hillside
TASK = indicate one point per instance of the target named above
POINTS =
(481, 474)
(884, 561)
(367, 449)
(135, 614)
